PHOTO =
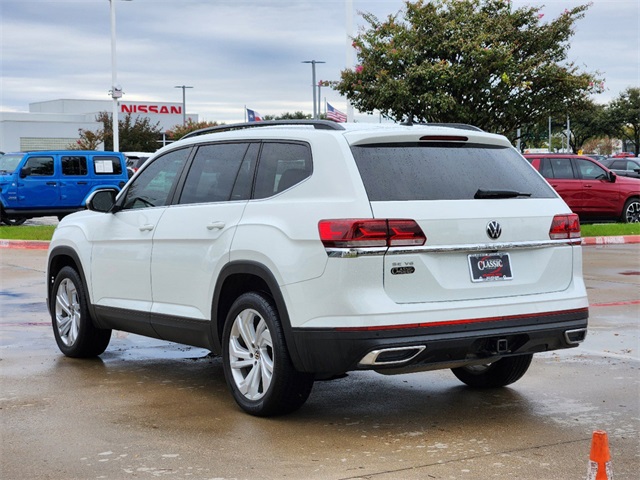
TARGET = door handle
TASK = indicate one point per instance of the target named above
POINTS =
(215, 226)
(82, 183)
(146, 228)
(51, 183)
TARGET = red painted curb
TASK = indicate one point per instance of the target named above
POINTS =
(613, 240)
(25, 244)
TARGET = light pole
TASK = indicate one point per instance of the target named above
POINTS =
(116, 90)
(313, 84)
(184, 103)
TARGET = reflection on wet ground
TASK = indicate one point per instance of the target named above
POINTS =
(148, 408)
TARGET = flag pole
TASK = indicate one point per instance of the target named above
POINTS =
(349, 49)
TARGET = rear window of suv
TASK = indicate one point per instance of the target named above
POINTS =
(444, 171)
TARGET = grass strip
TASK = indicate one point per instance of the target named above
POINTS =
(27, 232)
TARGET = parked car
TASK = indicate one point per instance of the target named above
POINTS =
(623, 155)
(48, 183)
(599, 158)
(629, 167)
(301, 250)
(589, 188)
(135, 160)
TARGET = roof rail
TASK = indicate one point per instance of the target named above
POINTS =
(317, 124)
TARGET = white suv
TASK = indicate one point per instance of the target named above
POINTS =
(305, 249)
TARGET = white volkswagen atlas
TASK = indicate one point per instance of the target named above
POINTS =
(305, 249)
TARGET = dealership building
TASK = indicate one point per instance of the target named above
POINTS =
(55, 124)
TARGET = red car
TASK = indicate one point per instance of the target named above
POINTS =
(624, 155)
(590, 189)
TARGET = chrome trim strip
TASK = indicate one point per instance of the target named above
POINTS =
(481, 247)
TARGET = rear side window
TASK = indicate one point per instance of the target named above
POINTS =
(557, 168)
(213, 173)
(439, 171)
(40, 166)
(106, 165)
(74, 165)
(281, 166)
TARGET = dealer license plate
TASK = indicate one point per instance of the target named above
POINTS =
(490, 267)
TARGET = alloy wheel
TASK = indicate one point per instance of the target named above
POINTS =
(251, 354)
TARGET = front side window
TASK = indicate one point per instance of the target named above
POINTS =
(155, 184)
(444, 171)
(40, 166)
(281, 166)
(213, 173)
(590, 170)
(107, 165)
(74, 165)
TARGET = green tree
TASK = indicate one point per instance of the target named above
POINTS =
(179, 131)
(89, 140)
(624, 116)
(588, 120)
(139, 135)
(474, 61)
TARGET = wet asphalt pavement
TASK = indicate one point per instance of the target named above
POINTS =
(150, 409)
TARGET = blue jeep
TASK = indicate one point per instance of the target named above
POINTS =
(55, 183)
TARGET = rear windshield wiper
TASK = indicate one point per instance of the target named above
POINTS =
(499, 194)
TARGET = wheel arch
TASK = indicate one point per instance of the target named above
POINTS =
(61, 257)
(241, 277)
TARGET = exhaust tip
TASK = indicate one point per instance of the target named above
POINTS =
(391, 356)
(573, 337)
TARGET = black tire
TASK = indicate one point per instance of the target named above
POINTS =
(631, 212)
(257, 365)
(497, 374)
(14, 222)
(75, 333)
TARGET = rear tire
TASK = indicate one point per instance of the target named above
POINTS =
(75, 333)
(493, 375)
(631, 212)
(257, 365)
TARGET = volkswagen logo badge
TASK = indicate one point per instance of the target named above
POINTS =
(494, 230)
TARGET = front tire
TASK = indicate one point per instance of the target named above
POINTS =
(75, 333)
(493, 375)
(14, 222)
(257, 365)
(631, 212)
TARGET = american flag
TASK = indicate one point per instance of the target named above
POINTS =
(253, 116)
(335, 114)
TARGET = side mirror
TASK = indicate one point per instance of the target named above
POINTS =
(612, 176)
(101, 200)
(25, 172)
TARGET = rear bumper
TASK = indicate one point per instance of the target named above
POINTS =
(433, 346)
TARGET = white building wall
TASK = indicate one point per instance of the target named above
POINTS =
(54, 124)
(28, 131)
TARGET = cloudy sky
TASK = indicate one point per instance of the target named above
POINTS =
(237, 53)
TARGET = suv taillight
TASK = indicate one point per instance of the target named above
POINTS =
(362, 233)
(565, 226)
